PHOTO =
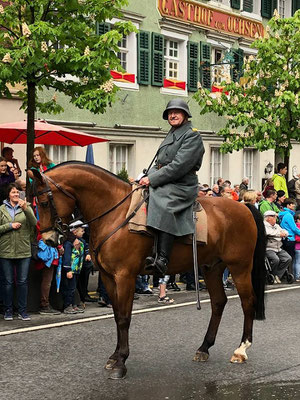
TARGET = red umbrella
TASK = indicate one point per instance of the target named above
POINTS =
(16, 133)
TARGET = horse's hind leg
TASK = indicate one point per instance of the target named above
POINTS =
(241, 275)
(214, 283)
(122, 299)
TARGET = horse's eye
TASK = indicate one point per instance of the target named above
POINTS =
(44, 204)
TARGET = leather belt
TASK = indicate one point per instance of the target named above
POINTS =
(192, 171)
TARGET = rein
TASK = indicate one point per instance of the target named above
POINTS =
(59, 225)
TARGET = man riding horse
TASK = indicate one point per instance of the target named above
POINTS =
(173, 184)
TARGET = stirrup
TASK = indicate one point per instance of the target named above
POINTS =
(158, 265)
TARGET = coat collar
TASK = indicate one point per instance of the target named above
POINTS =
(182, 129)
(175, 133)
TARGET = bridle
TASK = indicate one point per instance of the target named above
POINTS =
(57, 223)
(60, 227)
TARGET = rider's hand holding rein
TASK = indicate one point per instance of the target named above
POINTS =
(145, 181)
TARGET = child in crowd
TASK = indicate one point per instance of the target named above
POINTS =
(75, 252)
(297, 250)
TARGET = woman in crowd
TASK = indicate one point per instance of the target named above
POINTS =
(250, 197)
(13, 164)
(6, 177)
(40, 160)
(17, 223)
(269, 184)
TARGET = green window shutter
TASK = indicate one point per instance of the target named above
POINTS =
(157, 59)
(295, 6)
(248, 6)
(266, 6)
(237, 68)
(274, 7)
(102, 27)
(205, 73)
(235, 4)
(193, 66)
(143, 54)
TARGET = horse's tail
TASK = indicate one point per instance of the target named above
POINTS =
(259, 269)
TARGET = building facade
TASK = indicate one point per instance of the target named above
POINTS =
(179, 43)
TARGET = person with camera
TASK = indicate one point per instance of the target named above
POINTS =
(17, 224)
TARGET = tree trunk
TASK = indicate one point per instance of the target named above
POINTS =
(30, 131)
(30, 120)
(286, 160)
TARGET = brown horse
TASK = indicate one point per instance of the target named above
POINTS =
(235, 240)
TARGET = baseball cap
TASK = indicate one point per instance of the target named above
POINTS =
(270, 213)
(77, 224)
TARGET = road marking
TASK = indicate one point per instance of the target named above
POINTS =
(135, 312)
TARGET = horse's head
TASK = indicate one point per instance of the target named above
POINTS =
(55, 206)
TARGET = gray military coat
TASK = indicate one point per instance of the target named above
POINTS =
(173, 181)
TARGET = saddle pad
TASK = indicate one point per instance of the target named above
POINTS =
(137, 224)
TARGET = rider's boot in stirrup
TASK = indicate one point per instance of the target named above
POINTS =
(159, 263)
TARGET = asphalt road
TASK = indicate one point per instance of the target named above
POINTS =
(67, 362)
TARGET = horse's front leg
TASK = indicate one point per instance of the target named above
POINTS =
(122, 299)
(213, 277)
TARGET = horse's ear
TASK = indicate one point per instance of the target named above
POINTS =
(35, 175)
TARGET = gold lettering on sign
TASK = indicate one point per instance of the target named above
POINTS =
(164, 8)
(189, 6)
(210, 17)
(174, 7)
(202, 15)
(181, 6)
(247, 28)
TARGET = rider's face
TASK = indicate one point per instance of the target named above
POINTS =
(176, 118)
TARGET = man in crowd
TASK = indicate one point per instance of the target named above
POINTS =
(279, 179)
(226, 192)
(243, 187)
(202, 190)
(279, 259)
(216, 190)
(268, 202)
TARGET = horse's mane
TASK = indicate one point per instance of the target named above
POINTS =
(86, 165)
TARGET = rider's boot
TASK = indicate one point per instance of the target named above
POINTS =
(159, 263)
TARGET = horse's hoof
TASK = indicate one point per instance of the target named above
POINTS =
(238, 358)
(118, 373)
(110, 363)
(200, 356)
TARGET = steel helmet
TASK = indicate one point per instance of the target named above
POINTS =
(179, 105)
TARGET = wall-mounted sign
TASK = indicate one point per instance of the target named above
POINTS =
(210, 18)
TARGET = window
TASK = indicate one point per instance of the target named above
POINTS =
(59, 154)
(119, 157)
(281, 8)
(248, 166)
(171, 59)
(123, 52)
(220, 68)
(170, 62)
(215, 165)
(127, 55)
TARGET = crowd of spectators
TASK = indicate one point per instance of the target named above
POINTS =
(70, 264)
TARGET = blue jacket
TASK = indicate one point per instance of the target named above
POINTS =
(46, 253)
(287, 222)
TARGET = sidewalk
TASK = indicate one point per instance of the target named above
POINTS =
(94, 310)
